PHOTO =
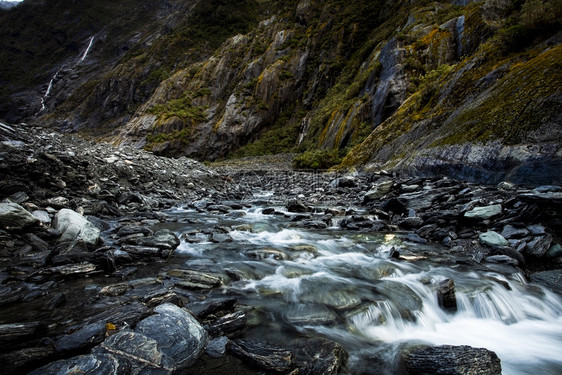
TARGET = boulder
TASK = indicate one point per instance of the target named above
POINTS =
(15, 217)
(294, 205)
(453, 360)
(319, 357)
(178, 334)
(75, 227)
(492, 239)
(137, 351)
(378, 191)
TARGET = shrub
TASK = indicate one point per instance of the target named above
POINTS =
(317, 159)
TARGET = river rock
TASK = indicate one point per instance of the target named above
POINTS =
(310, 314)
(453, 360)
(15, 217)
(492, 239)
(262, 355)
(20, 332)
(195, 279)
(319, 357)
(294, 205)
(217, 347)
(378, 191)
(502, 259)
(139, 352)
(401, 296)
(87, 336)
(538, 246)
(446, 295)
(14, 362)
(75, 227)
(177, 332)
(550, 279)
(227, 325)
(510, 232)
(483, 213)
(91, 364)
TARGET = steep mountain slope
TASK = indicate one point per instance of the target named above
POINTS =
(439, 86)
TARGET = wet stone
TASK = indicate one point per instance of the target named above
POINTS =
(483, 213)
(446, 295)
(85, 337)
(137, 351)
(309, 314)
(539, 246)
(178, 334)
(453, 360)
(91, 364)
(216, 348)
(492, 239)
(15, 217)
(262, 355)
(197, 279)
(319, 357)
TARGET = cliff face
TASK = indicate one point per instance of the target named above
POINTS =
(412, 85)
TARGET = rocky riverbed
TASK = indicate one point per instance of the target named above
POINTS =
(117, 261)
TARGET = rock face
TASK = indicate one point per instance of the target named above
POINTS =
(453, 360)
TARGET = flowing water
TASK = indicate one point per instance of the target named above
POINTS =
(344, 286)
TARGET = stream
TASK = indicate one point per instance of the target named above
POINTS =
(350, 287)
(344, 286)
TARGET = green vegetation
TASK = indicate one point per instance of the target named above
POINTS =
(318, 159)
(182, 108)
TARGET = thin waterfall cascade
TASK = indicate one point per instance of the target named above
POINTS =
(53, 79)
(88, 48)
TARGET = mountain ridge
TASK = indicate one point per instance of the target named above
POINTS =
(411, 86)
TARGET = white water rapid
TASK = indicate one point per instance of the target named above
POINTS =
(344, 286)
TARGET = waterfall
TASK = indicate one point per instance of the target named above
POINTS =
(88, 48)
(52, 81)
(49, 88)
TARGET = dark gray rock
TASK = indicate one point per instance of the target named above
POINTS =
(294, 205)
(262, 355)
(538, 246)
(446, 295)
(310, 314)
(216, 348)
(550, 279)
(319, 357)
(86, 337)
(177, 332)
(453, 360)
(227, 325)
(20, 332)
(91, 364)
(195, 279)
(139, 352)
(509, 232)
(16, 362)
(502, 259)
(15, 217)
